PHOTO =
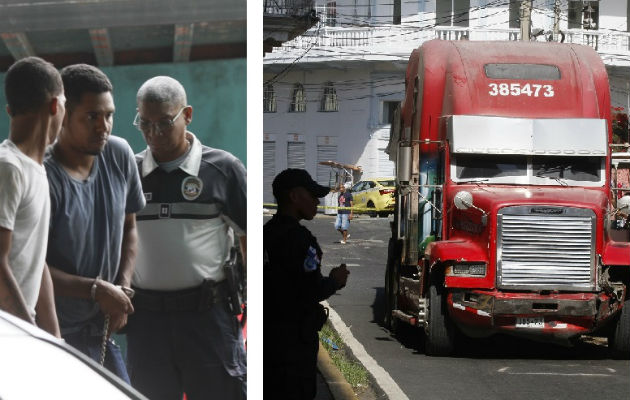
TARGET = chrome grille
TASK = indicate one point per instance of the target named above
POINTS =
(549, 250)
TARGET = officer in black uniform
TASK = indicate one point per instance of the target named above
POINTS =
(293, 288)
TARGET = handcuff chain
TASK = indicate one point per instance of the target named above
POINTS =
(104, 342)
(129, 292)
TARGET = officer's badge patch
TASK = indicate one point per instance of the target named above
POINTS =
(191, 187)
(312, 260)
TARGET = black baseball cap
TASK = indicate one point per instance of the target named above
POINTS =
(293, 177)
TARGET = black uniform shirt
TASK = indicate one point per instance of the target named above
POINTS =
(292, 278)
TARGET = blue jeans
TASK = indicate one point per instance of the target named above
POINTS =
(91, 346)
(342, 222)
(200, 353)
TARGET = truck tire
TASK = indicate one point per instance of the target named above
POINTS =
(391, 285)
(619, 340)
(387, 316)
(391, 299)
(440, 334)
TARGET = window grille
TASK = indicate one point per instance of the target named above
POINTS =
(329, 98)
(298, 103)
(269, 99)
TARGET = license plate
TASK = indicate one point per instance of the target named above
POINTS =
(536, 322)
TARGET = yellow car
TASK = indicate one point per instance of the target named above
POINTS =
(374, 196)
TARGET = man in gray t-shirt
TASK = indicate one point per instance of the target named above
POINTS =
(95, 192)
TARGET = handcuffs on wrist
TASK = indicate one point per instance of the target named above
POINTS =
(127, 290)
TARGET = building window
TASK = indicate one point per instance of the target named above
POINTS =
(583, 14)
(331, 13)
(397, 13)
(452, 12)
(329, 98)
(269, 99)
(387, 111)
(298, 102)
(515, 13)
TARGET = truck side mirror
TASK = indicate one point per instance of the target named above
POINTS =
(463, 200)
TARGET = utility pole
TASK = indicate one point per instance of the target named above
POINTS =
(556, 19)
(526, 20)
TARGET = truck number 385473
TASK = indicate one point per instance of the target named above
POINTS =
(517, 89)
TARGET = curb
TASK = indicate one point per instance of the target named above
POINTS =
(382, 382)
(338, 385)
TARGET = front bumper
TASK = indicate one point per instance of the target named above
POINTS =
(547, 317)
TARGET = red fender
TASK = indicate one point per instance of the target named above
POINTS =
(456, 250)
(616, 253)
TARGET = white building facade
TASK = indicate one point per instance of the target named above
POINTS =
(329, 93)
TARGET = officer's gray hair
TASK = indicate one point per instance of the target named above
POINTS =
(162, 89)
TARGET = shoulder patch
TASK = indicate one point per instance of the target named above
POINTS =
(191, 187)
(311, 262)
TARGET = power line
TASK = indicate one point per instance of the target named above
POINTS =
(407, 31)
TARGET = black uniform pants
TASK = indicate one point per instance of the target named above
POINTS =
(290, 363)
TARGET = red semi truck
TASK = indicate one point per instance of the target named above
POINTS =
(505, 219)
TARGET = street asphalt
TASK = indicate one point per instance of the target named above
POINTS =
(496, 368)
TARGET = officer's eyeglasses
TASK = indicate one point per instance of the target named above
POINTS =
(162, 126)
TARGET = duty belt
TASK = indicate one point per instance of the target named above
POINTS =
(199, 298)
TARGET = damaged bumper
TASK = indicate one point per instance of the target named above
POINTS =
(547, 317)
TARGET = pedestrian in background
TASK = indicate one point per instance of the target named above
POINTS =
(344, 213)
(35, 98)
(95, 192)
(184, 337)
(293, 286)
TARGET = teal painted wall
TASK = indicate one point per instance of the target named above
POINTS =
(217, 90)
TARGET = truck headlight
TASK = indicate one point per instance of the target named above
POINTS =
(476, 269)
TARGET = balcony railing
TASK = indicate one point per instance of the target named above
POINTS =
(395, 36)
(402, 39)
(288, 7)
(601, 41)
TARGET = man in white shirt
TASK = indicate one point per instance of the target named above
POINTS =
(36, 106)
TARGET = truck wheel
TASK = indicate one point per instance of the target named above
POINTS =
(440, 334)
(371, 213)
(619, 340)
(391, 298)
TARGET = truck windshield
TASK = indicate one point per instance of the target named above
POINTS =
(473, 166)
(528, 170)
(575, 168)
